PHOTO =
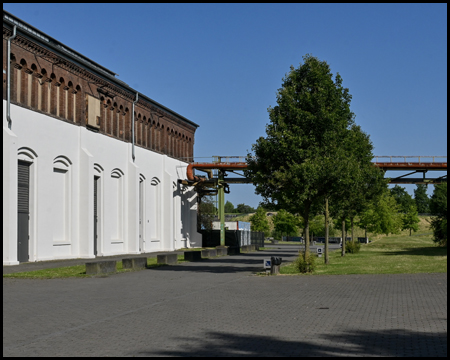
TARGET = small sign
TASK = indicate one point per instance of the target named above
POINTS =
(267, 263)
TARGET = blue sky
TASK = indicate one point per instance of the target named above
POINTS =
(220, 65)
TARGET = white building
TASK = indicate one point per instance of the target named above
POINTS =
(71, 188)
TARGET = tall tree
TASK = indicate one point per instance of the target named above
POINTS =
(259, 221)
(307, 154)
(421, 198)
(411, 219)
(438, 208)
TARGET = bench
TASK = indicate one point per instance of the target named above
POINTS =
(222, 250)
(192, 255)
(101, 267)
(246, 248)
(134, 263)
(169, 259)
(209, 253)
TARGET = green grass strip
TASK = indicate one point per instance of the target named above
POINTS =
(387, 255)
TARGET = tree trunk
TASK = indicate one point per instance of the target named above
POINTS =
(343, 238)
(326, 232)
(353, 239)
(306, 237)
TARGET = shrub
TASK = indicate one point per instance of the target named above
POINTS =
(305, 265)
(352, 247)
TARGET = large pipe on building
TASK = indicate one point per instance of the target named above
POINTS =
(222, 166)
(132, 127)
(8, 86)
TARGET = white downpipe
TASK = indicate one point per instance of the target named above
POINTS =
(132, 128)
(8, 91)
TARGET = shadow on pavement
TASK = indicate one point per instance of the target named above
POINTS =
(378, 343)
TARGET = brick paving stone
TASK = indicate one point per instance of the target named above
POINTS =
(218, 307)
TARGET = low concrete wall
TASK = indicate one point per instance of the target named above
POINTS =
(101, 267)
(222, 250)
(169, 259)
(192, 255)
(209, 253)
(134, 263)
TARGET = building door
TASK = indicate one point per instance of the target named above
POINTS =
(141, 215)
(23, 210)
(96, 210)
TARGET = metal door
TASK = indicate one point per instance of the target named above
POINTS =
(96, 180)
(23, 210)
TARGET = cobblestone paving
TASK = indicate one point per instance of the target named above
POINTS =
(218, 307)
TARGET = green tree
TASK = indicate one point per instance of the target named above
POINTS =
(438, 208)
(206, 213)
(421, 198)
(229, 207)
(285, 223)
(403, 199)
(411, 219)
(309, 153)
(259, 221)
(382, 216)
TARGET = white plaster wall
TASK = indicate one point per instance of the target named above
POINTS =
(87, 154)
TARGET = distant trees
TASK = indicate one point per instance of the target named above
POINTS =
(229, 207)
(206, 213)
(382, 216)
(438, 208)
(285, 223)
(421, 198)
(259, 221)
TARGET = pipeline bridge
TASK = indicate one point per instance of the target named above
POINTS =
(216, 180)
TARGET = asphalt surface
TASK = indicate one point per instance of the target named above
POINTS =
(219, 307)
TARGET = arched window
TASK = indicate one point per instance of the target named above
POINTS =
(116, 207)
(155, 209)
(61, 200)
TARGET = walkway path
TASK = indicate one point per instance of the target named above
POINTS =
(218, 307)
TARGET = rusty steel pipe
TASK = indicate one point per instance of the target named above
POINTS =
(210, 166)
(411, 166)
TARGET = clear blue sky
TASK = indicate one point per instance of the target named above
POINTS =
(220, 65)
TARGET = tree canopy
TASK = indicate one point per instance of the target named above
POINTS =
(259, 221)
(438, 208)
(421, 198)
(313, 149)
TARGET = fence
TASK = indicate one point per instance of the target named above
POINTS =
(233, 238)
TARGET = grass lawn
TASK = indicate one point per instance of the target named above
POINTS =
(397, 254)
(75, 271)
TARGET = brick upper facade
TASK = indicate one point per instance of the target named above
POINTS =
(50, 78)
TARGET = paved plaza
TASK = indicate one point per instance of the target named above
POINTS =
(219, 307)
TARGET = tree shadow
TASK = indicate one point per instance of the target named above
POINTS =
(422, 251)
(396, 342)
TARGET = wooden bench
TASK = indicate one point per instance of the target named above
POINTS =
(101, 267)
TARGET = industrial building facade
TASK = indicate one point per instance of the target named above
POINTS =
(75, 184)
